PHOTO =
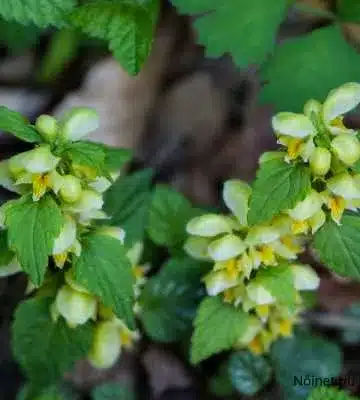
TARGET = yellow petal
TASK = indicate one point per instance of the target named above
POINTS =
(40, 185)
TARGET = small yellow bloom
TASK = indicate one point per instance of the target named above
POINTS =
(286, 327)
(294, 147)
(268, 255)
(255, 346)
(40, 185)
(60, 259)
(298, 227)
(263, 310)
(337, 208)
(231, 268)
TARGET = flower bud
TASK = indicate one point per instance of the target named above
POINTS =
(197, 247)
(339, 102)
(320, 161)
(66, 238)
(113, 231)
(79, 122)
(70, 189)
(258, 294)
(305, 278)
(48, 127)
(291, 124)
(89, 200)
(76, 307)
(227, 247)
(106, 345)
(208, 225)
(346, 148)
(308, 207)
(218, 281)
(39, 160)
(5, 179)
(312, 107)
(344, 186)
(261, 235)
(254, 326)
(236, 197)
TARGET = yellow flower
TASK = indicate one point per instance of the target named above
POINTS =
(340, 101)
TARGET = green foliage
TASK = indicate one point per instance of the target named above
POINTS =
(304, 355)
(18, 37)
(349, 10)
(15, 123)
(218, 326)
(115, 158)
(32, 229)
(329, 393)
(54, 392)
(61, 51)
(42, 13)
(45, 349)
(224, 26)
(169, 213)
(249, 372)
(112, 391)
(333, 63)
(128, 27)
(105, 271)
(169, 300)
(279, 282)
(338, 245)
(127, 203)
(6, 255)
(278, 186)
(220, 384)
(87, 154)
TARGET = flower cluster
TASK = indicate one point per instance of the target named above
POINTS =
(319, 139)
(239, 253)
(74, 303)
(78, 190)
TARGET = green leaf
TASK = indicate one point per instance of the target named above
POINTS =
(32, 229)
(112, 391)
(304, 355)
(44, 349)
(61, 51)
(333, 63)
(127, 202)
(329, 393)
(169, 213)
(54, 392)
(6, 255)
(115, 158)
(338, 245)
(249, 372)
(218, 326)
(279, 282)
(224, 25)
(105, 271)
(220, 384)
(169, 300)
(18, 37)
(348, 10)
(278, 186)
(14, 123)
(42, 13)
(87, 154)
(128, 27)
